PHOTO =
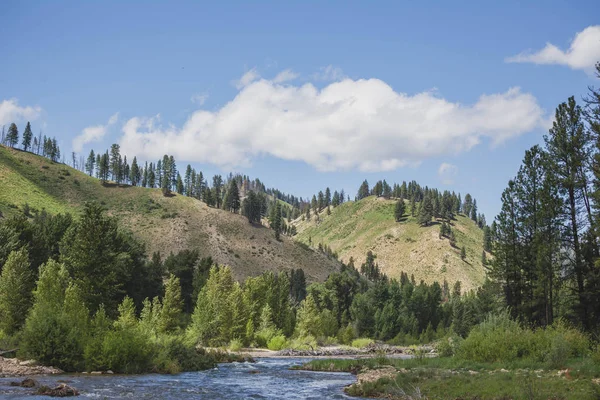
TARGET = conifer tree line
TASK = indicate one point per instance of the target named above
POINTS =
(545, 239)
(423, 202)
(40, 145)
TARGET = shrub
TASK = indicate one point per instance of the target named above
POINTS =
(175, 355)
(447, 346)
(276, 343)
(127, 351)
(559, 352)
(346, 335)
(236, 345)
(499, 338)
(303, 343)
(362, 342)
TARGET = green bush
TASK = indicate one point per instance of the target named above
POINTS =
(303, 343)
(499, 338)
(447, 346)
(361, 342)
(236, 345)
(346, 335)
(559, 352)
(127, 351)
(276, 343)
(174, 355)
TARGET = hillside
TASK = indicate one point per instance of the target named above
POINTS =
(165, 224)
(354, 228)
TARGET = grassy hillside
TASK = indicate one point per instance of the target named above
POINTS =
(165, 224)
(354, 228)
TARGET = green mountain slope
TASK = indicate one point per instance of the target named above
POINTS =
(354, 228)
(165, 224)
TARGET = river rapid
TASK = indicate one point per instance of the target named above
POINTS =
(268, 378)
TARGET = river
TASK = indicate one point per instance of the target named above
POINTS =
(268, 378)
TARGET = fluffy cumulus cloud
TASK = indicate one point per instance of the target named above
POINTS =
(351, 124)
(447, 173)
(11, 111)
(583, 53)
(93, 133)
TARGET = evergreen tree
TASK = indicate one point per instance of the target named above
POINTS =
(179, 186)
(426, 211)
(91, 161)
(474, 210)
(569, 147)
(188, 180)
(12, 137)
(335, 201)
(399, 210)
(275, 219)
(16, 286)
(135, 175)
(27, 135)
(115, 163)
(363, 190)
(232, 198)
(217, 190)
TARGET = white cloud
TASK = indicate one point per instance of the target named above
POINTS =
(583, 53)
(447, 173)
(246, 79)
(199, 98)
(285, 75)
(353, 124)
(329, 73)
(10, 112)
(93, 133)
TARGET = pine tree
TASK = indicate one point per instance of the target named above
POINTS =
(217, 190)
(569, 146)
(134, 173)
(16, 285)
(12, 138)
(91, 161)
(232, 198)
(179, 186)
(399, 210)
(363, 190)
(426, 211)
(463, 253)
(27, 135)
(275, 220)
(335, 200)
(474, 210)
(188, 180)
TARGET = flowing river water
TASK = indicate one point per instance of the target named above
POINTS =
(268, 378)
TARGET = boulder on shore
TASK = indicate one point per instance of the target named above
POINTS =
(62, 390)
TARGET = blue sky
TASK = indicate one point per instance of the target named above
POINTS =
(302, 94)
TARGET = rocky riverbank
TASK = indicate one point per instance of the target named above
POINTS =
(340, 352)
(12, 367)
